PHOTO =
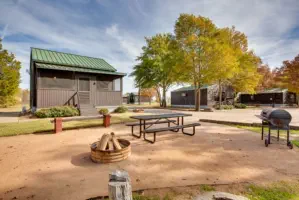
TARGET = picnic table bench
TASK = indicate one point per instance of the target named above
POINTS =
(146, 121)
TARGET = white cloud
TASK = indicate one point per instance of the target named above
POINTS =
(129, 44)
(266, 23)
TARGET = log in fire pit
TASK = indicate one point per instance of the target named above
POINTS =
(110, 149)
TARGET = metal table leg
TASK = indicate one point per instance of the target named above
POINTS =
(269, 135)
(140, 130)
(262, 130)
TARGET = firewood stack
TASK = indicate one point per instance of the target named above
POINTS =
(109, 142)
(110, 149)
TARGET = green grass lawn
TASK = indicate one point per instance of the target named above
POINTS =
(282, 133)
(275, 191)
(259, 130)
(44, 125)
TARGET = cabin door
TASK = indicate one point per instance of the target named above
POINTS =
(84, 90)
(204, 97)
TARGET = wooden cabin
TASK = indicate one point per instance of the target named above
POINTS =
(58, 78)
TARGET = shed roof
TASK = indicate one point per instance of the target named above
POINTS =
(269, 91)
(76, 69)
(68, 59)
(189, 88)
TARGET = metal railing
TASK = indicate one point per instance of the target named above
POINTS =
(71, 101)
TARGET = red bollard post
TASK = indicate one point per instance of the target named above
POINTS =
(58, 125)
(106, 120)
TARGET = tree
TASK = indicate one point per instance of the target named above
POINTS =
(244, 77)
(10, 77)
(267, 78)
(289, 75)
(149, 92)
(131, 98)
(225, 60)
(247, 77)
(157, 67)
(208, 56)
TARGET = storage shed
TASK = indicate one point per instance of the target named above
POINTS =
(58, 78)
(276, 96)
(185, 96)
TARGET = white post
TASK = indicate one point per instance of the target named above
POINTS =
(120, 186)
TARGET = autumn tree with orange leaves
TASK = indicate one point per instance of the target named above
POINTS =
(267, 78)
(149, 92)
(289, 75)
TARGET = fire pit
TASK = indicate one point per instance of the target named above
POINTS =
(110, 149)
(276, 119)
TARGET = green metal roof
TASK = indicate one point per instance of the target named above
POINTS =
(67, 59)
(188, 88)
(76, 69)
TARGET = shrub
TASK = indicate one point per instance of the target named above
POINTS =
(57, 111)
(121, 109)
(103, 111)
(131, 98)
(240, 106)
(224, 107)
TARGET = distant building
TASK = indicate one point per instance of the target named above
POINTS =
(143, 99)
(269, 97)
(209, 96)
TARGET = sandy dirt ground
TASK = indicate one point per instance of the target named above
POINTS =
(49, 166)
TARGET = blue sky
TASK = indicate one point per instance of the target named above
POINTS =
(115, 29)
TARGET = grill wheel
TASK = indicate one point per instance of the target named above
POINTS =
(266, 143)
(290, 145)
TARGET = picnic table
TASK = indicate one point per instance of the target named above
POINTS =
(147, 121)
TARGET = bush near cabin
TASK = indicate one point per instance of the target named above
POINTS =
(103, 111)
(225, 107)
(121, 109)
(240, 106)
(57, 111)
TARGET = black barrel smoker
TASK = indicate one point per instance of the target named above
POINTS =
(276, 119)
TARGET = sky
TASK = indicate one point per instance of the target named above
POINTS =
(115, 29)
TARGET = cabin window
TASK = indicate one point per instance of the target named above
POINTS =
(52, 79)
(104, 84)
(117, 84)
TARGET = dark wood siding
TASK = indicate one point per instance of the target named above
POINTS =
(47, 97)
(53, 97)
(108, 98)
(186, 100)
(268, 98)
(204, 97)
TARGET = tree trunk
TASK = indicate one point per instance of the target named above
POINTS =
(164, 98)
(220, 95)
(158, 96)
(197, 97)
(139, 96)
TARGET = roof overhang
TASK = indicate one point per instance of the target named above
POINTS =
(77, 69)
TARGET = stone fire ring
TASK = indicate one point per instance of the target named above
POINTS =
(110, 156)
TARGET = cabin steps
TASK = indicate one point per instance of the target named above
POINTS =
(88, 110)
